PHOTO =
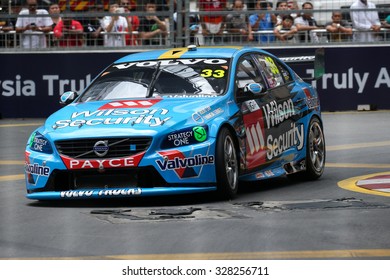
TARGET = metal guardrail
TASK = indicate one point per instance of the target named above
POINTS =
(12, 39)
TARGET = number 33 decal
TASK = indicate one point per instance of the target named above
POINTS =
(206, 73)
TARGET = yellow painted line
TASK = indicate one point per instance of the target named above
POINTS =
(321, 254)
(12, 162)
(357, 146)
(325, 254)
(20, 124)
(11, 177)
(357, 165)
(355, 112)
(350, 184)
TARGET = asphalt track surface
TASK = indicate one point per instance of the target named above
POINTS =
(332, 218)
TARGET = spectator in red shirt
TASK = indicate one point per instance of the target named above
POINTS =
(212, 23)
(69, 33)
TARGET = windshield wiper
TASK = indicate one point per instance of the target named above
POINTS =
(155, 76)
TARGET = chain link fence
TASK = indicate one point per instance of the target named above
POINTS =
(169, 26)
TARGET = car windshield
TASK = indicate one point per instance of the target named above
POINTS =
(169, 78)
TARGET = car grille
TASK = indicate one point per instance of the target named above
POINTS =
(117, 147)
(64, 180)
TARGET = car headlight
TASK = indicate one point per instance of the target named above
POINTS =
(39, 143)
(186, 136)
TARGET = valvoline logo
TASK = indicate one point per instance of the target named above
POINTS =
(143, 103)
(183, 166)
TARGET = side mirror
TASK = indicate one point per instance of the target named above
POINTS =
(250, 91)
(68, 97)
(253, 88)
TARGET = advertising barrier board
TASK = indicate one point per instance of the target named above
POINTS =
(31, 83)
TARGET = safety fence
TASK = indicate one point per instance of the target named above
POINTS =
(84, 40)
(181, 28)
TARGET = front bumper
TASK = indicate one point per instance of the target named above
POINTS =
(117, 193)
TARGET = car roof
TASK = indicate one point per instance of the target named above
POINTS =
(188, 53)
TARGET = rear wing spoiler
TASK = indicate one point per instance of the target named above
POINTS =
(318, 59)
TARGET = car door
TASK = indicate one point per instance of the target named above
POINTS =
(254, 150)
(268, 118)
(283, 133)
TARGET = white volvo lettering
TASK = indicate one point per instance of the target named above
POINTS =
(73, 194)
(170, 62)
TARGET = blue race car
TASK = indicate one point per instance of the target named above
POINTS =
(178, 121)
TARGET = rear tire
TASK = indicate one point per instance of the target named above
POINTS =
(226, 165)
(315, 150)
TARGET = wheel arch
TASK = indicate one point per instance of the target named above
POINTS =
(227, 162)
(309, 120)
(233, 132)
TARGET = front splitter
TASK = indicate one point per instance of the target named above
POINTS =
(117, 193)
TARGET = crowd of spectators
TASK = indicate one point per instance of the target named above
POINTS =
(121, 23)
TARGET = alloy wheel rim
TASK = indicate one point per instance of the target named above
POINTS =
(317, 147)
(230, 162)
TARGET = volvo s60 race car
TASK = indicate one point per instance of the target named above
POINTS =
(178, 121)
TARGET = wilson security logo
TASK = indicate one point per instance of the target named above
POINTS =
(255, 138)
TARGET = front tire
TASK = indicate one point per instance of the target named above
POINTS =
(226, 165)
